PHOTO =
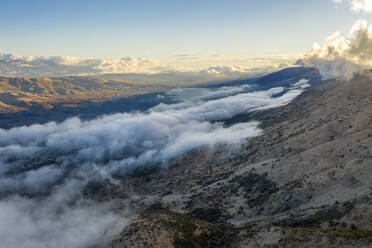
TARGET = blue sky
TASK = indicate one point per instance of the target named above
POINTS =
(157, 29)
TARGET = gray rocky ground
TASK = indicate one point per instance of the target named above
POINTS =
(305, 182)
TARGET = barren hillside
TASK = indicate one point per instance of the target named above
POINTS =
(306, 182)
(18, 93)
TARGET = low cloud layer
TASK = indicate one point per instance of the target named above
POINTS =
(342, 55)
(179, 69)
(52, 222)
(46, 66)
(45, 168)
(38, 156)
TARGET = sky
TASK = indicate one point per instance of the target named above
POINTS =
(165, 28)
(191, 40)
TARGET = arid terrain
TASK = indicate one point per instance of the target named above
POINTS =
(302, 178)
(305, 182)
(20, 93)
(186, 124)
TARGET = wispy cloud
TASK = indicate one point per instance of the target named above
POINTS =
(357, 5)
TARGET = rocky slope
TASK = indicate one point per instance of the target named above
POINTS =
(18, 93)
(306, 182)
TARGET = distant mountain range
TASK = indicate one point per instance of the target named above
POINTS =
(23, 94)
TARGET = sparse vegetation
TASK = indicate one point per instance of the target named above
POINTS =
(256, 187)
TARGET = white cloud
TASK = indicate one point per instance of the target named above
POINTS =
(54, 222)
(341, 55)
(14, 65)
(185, 69)
(357, 5)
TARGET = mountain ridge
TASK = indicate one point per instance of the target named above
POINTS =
(289, 75)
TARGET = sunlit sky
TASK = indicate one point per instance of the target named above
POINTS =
(164, 28)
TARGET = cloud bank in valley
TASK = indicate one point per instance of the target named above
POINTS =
(56, 161)
(119, 142)
(342, 55)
